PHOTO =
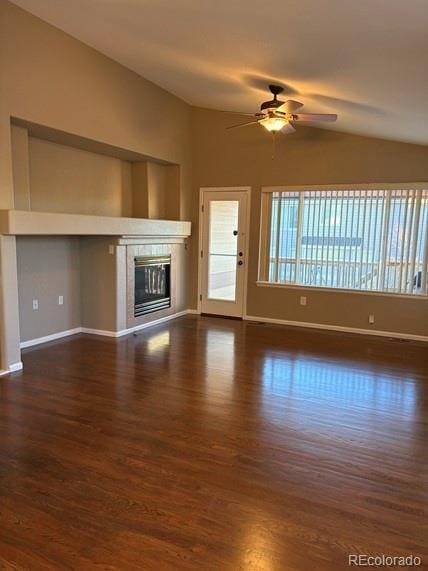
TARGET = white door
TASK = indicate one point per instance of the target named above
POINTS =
(224, 251)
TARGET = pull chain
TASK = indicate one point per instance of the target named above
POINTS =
(273, 145)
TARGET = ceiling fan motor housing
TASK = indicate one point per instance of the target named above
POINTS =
(274, 103)
(271, 104)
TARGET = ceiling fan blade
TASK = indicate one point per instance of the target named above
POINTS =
(289, 106)
(331, 117)
(243, 124)
(288, 129)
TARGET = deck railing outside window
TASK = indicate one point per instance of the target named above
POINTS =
(367, 240)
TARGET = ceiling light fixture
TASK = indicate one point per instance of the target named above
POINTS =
(273, 124)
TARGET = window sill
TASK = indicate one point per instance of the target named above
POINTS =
(261, 283)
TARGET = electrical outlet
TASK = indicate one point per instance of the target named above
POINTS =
(60, 300)
(371, 318)
(111, 249)
(35, 304)
(303, 300)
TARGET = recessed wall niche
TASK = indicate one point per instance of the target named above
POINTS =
(85, 177)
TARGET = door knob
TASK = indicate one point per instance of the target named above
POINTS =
(235, 232)
(240, 263)
(240, 254)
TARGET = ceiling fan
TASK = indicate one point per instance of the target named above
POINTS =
(276, 116)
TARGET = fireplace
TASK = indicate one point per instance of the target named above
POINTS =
(152, 284)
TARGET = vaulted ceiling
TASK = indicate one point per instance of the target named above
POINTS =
(363, 59)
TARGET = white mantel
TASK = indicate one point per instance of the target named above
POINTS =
(27, 223)
(106, 241)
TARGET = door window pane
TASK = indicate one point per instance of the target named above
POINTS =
(222, 277)
(222, 249)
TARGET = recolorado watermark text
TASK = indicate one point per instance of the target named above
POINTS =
(361, 560)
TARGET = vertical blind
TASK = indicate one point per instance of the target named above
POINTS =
(370, 240)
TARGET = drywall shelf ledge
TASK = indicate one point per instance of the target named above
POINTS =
(25, 223)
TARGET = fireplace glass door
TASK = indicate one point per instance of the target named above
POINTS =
(152, 284)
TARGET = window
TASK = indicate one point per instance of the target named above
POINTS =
(365, 240)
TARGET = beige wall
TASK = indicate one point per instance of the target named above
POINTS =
(64, 179)
(51, 79)
(156, 180)
(156, 190)
(163, 189)
(21, 167)
(53, 177)
(309, 156)
(99, 285)
(47, 268)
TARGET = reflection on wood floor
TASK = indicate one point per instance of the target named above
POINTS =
(213, 444)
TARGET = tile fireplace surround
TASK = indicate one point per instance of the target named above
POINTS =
(108, 248)
(98, 260)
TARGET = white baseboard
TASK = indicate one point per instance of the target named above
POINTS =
(48, 338)
(12, 369)
(123, 332)
(16, 367)
(376, 332)
(102, 332)
(156, 322)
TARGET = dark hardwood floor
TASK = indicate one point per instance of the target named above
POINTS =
(213, 444)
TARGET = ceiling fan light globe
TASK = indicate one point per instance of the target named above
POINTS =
(273, 124)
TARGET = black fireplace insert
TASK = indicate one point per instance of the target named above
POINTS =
(152, 284)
